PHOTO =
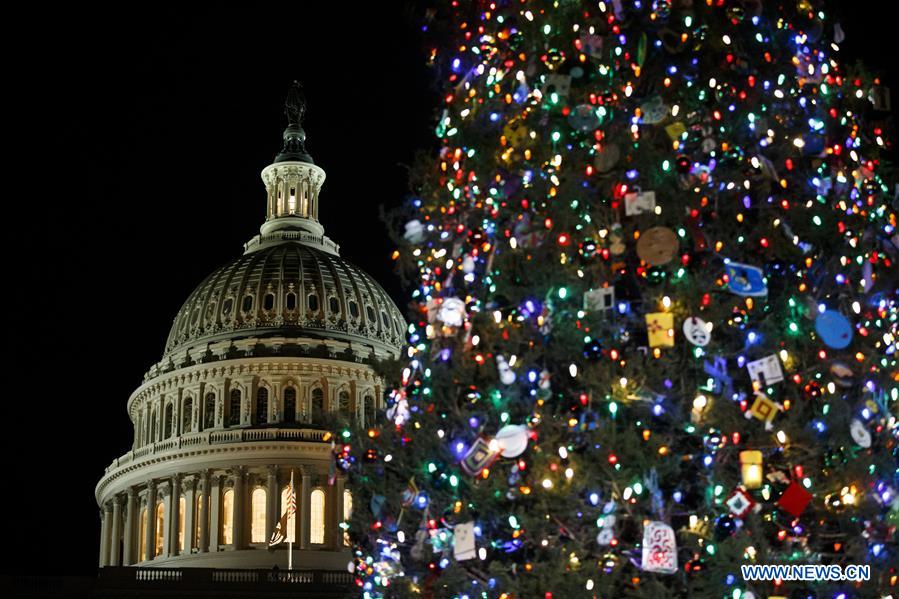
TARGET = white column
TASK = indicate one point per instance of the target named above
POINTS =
(131, 521)
(173, 515)
(303, 499)
(240, 511)
(190, 508)
(215, 513)
(272, 513)
(116, 531)
(204, 513)
(150, 540)
(105, 519)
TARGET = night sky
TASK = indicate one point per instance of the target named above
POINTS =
(138, 139)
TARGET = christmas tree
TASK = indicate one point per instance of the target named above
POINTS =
(655, 308)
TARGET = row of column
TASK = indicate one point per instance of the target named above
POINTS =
(120, 530)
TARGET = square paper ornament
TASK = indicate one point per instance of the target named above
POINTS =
(479, 456)
(601, 301)
(660, 327)
(764, 409)
(463, 541)
(659, 548)
(639, 202)
(739, 503)
(766, 371)
(794, 499)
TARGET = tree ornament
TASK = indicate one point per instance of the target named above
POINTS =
(659, 548)
(725, 526)
(842, 374)
(606, 158)
(506, 374)
(745, 280)
(660, 328)
(639, 202)
(451, 312)
(591, 45)
(740, 503)
(794, 499)
(654, 111)
(657, 246)
(722, 381)
(479, 456)
(464, 541)
(751, 469)
(834, 329)
(764, 409)
(765, 371)
(544, 387)
(512, 440)
(616, 240)
(859, 433)
(415, 231)
(697, 331)
(583, 118)
(601, 300)
(606, 534)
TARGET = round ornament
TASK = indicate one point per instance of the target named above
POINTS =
(657, 246)
(583, 118)
(607, 158)
(513, 439)
(859, 433)
(697, 331)
(834, 329)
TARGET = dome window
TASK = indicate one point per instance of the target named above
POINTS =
(209, 411)
(290, 405)
(247, 303)
(187, 413)
(234, 408)
(227, 306)
(318, 405)
(268, 302)
(371, 314)
(333, 305)
(291, 301)
(384, 320)
(262, 406)
(195, 317)
(312, 302)
(354, 309)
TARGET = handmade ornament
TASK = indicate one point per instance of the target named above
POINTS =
(512, 440)
(794, 499)
(859, 433)
(479, 456)
(544, 388)
(765, 371)
(722, 382)
(601, 301)
(834, 329)
(583, 118)
(751, 468)
(556, 87)
(452, 312)
(591, 45)
(697, 331)
(414, 231)
(657, 246)
(463, 541)
(606, 158)
(660, 328)
(639, 202)
(616, 240)
(763, 409)
(842, 374)
(606, 534)
(407, 498)
(740, 503)
(517, 134)
(675, 130)
(745, 280)
(399, 411)
(659, 548)
(506, 374)
(468, 263)
(654, 111)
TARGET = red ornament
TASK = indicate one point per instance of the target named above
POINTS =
(794, 499)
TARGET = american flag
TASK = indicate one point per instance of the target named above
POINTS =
(282, 530)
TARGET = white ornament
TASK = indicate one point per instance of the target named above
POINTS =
(639, 202)
(766, 371)
(414, 231)
(600, 300)
(659, 548)
(399, 412)
(697, 331)
(452, 312)
(607, 534)
(467, 264)
(506, 375)
(859, 433)
(463, 541)
(512, 439)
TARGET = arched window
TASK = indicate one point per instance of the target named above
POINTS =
(160, 527)
(347, 514)
(354, 309)
(318, 405)
(228, 517)
(169, 420)
(153, 419)
(142, 540)
(312, 302)
(227, 306)
(247, 303)
(317, 517)
(333, 305)
(257, 511)
(343, 404)
(234, 408)
(290, 404)
(261, 405)
(268, 302)
(369, 410)
(209, 411)
(187, 413)
(182, 505)
(370, 312)
(291, 301)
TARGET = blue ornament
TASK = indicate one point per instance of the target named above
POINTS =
(834, 329)
(744, 279)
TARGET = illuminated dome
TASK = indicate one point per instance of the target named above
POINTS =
(287, 289)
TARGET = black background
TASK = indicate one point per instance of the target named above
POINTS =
(134, 142)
